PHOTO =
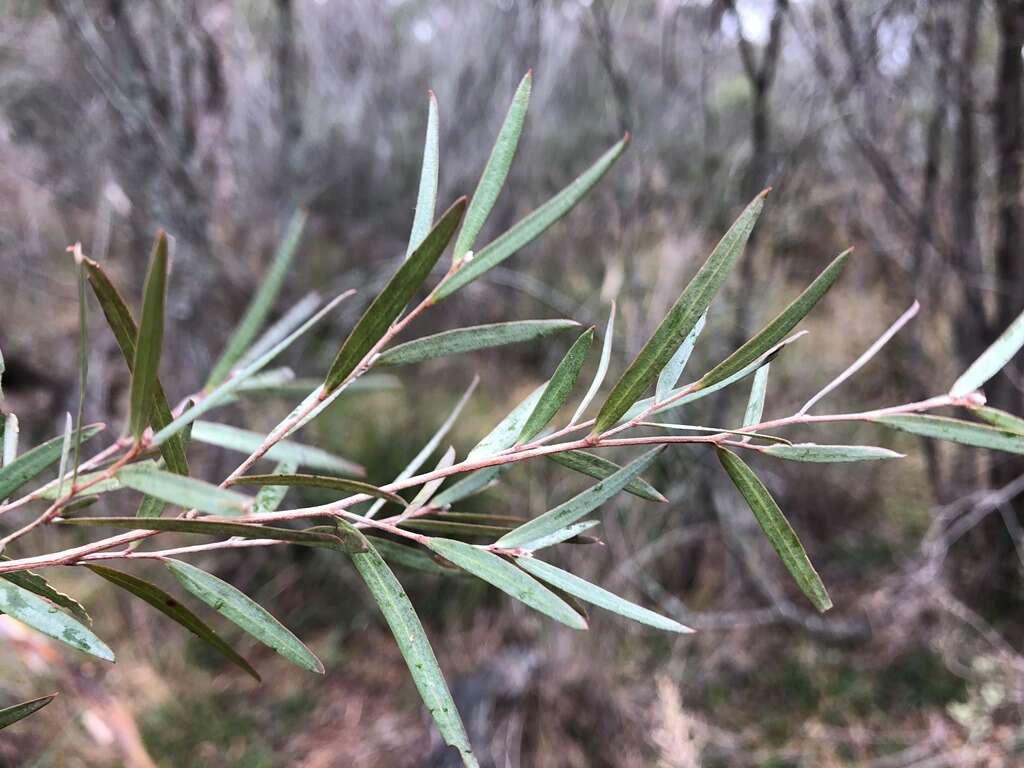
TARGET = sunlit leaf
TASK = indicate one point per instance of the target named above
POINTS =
(16, 473)
(149, 340)
(246, 441)
(559, 387)
(776, 528)
(40, 615)
(595, 595)
(476, 337)
(186, 492)
(415, 647)
(172, 609)
(777, 329)
(602, 368)
(240, 609)
(259, 308)
(600, 467)
(527, 229)
(12, 714)
(956, 431)
(680, 320)
(509, 579)
(426, 197)
(992, 359)
(493, 177)
(670, 374)
(1000, 419)
(557, 537)
(393, 298)
(581, 504)
(320, 481)
(830, 453)
(455, 528)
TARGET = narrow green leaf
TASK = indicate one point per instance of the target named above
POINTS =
(261, 304)
(11, 431)
(565, 534)
(210, 528)
(777, 329)
(426, 197)
(681, 319)
(11, 715)
(534, 224)
(185, 492)
(600, 467)
(461, 340)
(602, 368)
(278, 387)
(504, 435)
(670, 374)
(392, 300)
(427, 491)
(581, 504)
(65, 452)
(956, 431)
(410, 557)
(713, 430)
(830, 453)
(509, 579)
(776, 528)
(495, 172)
(455, 528)
(172, 609)
(246, 441)
(320, 481)
(269, 497)
(559, 387)
(19, 471)
(595, 595)
(415, 647)
(83, 361)
(240, 609)
(473, 483)
(1000, 419)
(296, 315)
(755, 403)
(40, 615)
(121, 323)
(150, 339)
(35, 583)
(992, 359)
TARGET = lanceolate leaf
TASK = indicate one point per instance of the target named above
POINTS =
(455, 528)
(681, 319)
(565, 534)
(426, 198)
(504, 435)
(396, 294)
(261, 304)
(246, 441)
(11, 431)
(35, 583)
(600, 467)
(237, 607)
(186, 492)
(509, 579)
(40, 615)
(496, 170)
(150, 339)
(206, 527)
(581, 504)
(320, 481)
(776, 528)
(755, 403)
(670, 374)
(269, 497)
(595, 595)
(602, 368)
(526, 230)
(1001, 419)
(956, 431)
(174, 610)
(31, 463)
(121, 323)
(429, 488)
(992, 359)
(415, 647)
(461, 340)
(473, 483)
(830, 453)
(559, 387)
(9, 715)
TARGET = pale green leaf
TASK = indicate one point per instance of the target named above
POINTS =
(40, 615)
(473, 483)
(35, 583)
(557, 537)
(956, 431)
(600, 467)
(504, 435)
(830, 453)
(461, 340)
(269, 497)
(20, 470)
(150, 339)
(755, 403)
(670, 374)
(559, 387)
(11, 432)
(186, 492)
(992, 359)
(1001, 419)
(426, 493)
(602, 368)
(776, 528)
(426, 197)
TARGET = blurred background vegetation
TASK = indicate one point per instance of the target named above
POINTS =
(896, 126)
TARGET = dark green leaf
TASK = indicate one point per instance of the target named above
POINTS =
(559, 387)
(172, 609)
(396, 294)
(455, 528)
(776, 528)
(320, 481)
(211, 528)
(31, 463)
(1000, 419)
(410, 557)
(600, 467)
(150, 339)
(463, 340)
(680, 321)
(10, 715)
